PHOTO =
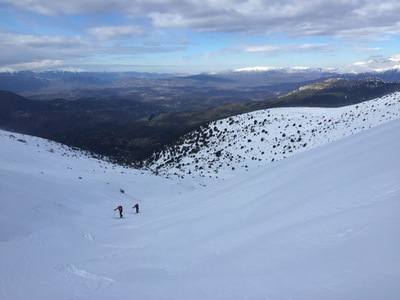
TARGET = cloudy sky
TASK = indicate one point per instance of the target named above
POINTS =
(194, 36)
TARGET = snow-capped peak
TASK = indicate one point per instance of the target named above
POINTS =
(295, 69)
(257, 69)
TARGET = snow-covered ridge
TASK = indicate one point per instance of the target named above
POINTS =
(257, 69)
(258, 138)
(41, 147)
(298, 69)
(302, 69)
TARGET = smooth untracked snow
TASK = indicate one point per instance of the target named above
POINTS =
(322, 224)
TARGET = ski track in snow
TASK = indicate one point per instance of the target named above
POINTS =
(100, 281)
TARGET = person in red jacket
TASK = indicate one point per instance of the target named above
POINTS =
(119, 208)
(137, 207)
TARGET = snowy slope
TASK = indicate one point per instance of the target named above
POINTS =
(258, 138)
(323, 224)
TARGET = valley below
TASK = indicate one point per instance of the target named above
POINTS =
(128, 128)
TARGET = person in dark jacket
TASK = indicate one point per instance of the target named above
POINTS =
(136, 207)
(119, 208)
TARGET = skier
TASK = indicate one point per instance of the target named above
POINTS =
(119, 208)
(137, 207)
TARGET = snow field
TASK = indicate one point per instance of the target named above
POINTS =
(322, 224)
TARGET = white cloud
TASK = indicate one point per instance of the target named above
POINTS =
(376, 63)
(17, 49)
(315, 48)
(38, 41)
(370, 8)
(264, 48)
(35, 65)
(395, 58)
(116, 32)
(56, 8)
(291, 48)
(29, 51)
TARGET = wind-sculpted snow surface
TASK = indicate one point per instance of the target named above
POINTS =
(323, 224)
(265, 136)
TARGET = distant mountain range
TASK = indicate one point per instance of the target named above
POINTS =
(249, 84)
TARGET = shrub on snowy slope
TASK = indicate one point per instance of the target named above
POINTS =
(266, 136)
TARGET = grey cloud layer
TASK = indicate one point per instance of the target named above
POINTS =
(21, 48)
(21, 51)
(354, 22)
(303, 18)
